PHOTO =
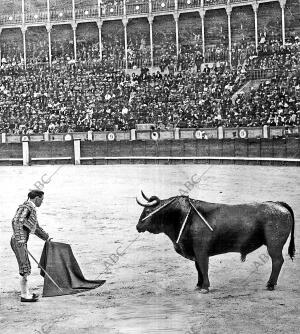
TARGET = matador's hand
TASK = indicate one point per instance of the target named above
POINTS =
(21, 243)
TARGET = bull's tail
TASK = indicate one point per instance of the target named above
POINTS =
(291, 249)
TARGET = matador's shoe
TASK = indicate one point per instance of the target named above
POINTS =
(34, 298)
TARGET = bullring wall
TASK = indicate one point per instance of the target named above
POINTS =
(275, 151)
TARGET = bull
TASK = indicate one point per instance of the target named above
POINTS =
(201, 229)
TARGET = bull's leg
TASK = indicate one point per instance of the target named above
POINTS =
(200, 276)
(202, 261)
(277, 261)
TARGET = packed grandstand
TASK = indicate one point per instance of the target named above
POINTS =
(217, 63)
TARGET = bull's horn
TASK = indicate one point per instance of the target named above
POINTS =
(153, 203)
(145, 197)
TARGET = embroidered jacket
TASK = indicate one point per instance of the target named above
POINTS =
(25, 222)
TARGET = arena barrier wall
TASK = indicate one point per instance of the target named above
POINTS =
(159, 135)
(11, 154)
(275, 151)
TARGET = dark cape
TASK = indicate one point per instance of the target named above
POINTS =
(59, 262)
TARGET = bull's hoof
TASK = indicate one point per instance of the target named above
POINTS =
(204, 291)
(201, 290)
(270, 287)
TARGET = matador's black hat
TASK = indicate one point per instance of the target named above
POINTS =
(34, 193)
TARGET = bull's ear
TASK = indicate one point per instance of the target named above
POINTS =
(154, 198)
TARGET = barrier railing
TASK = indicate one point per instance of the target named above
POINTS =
(40, 16)
(256, 74)
(255, 151)
(265, 131)
(11, 19)
(238, 1)
(137, 8)
(163, 6)
(87, 12)
(187, 4)
(139, 62)
(112, 10)
(60, 16)
(216, 56)
(208, 3)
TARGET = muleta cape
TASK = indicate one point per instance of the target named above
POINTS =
(59, 262)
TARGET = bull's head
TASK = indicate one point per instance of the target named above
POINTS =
(154, 214)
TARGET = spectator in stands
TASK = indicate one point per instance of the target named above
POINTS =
(96, 95)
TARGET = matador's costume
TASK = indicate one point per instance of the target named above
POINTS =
(24, 223)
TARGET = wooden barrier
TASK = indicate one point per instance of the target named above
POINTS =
(277, 150)
(161, 135)
(273, 151)
(11, 154)
(52, 151)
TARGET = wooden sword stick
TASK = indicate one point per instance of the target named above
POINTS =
(39, 266)
(183, 225)
(163, 206)
(202, 218)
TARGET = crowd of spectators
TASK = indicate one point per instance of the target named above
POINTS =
(138, 47)
(37, 52)
(11, 53)
(276, 103)
(98, 95)
(276, 56)
(75, 98)
(88, 51)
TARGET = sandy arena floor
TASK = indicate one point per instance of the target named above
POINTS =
(150, 288)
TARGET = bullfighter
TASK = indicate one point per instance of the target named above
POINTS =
(24, 223)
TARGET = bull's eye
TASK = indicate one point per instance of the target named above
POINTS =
(148, 210)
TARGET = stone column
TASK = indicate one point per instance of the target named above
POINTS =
(49, 28)
(255, 6)
(202, 15)
(99, 24)
(150, 19)
(23, 12)
(0, 47)
(125, 22)
(282, 5)
(24, 29)
(25, 153)
(124, 6)
(228, 11)
(74, 27)
(3, 137)
(48, 11)
(99, 8)
(176, 18)
(73, 11)
(77, 151)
